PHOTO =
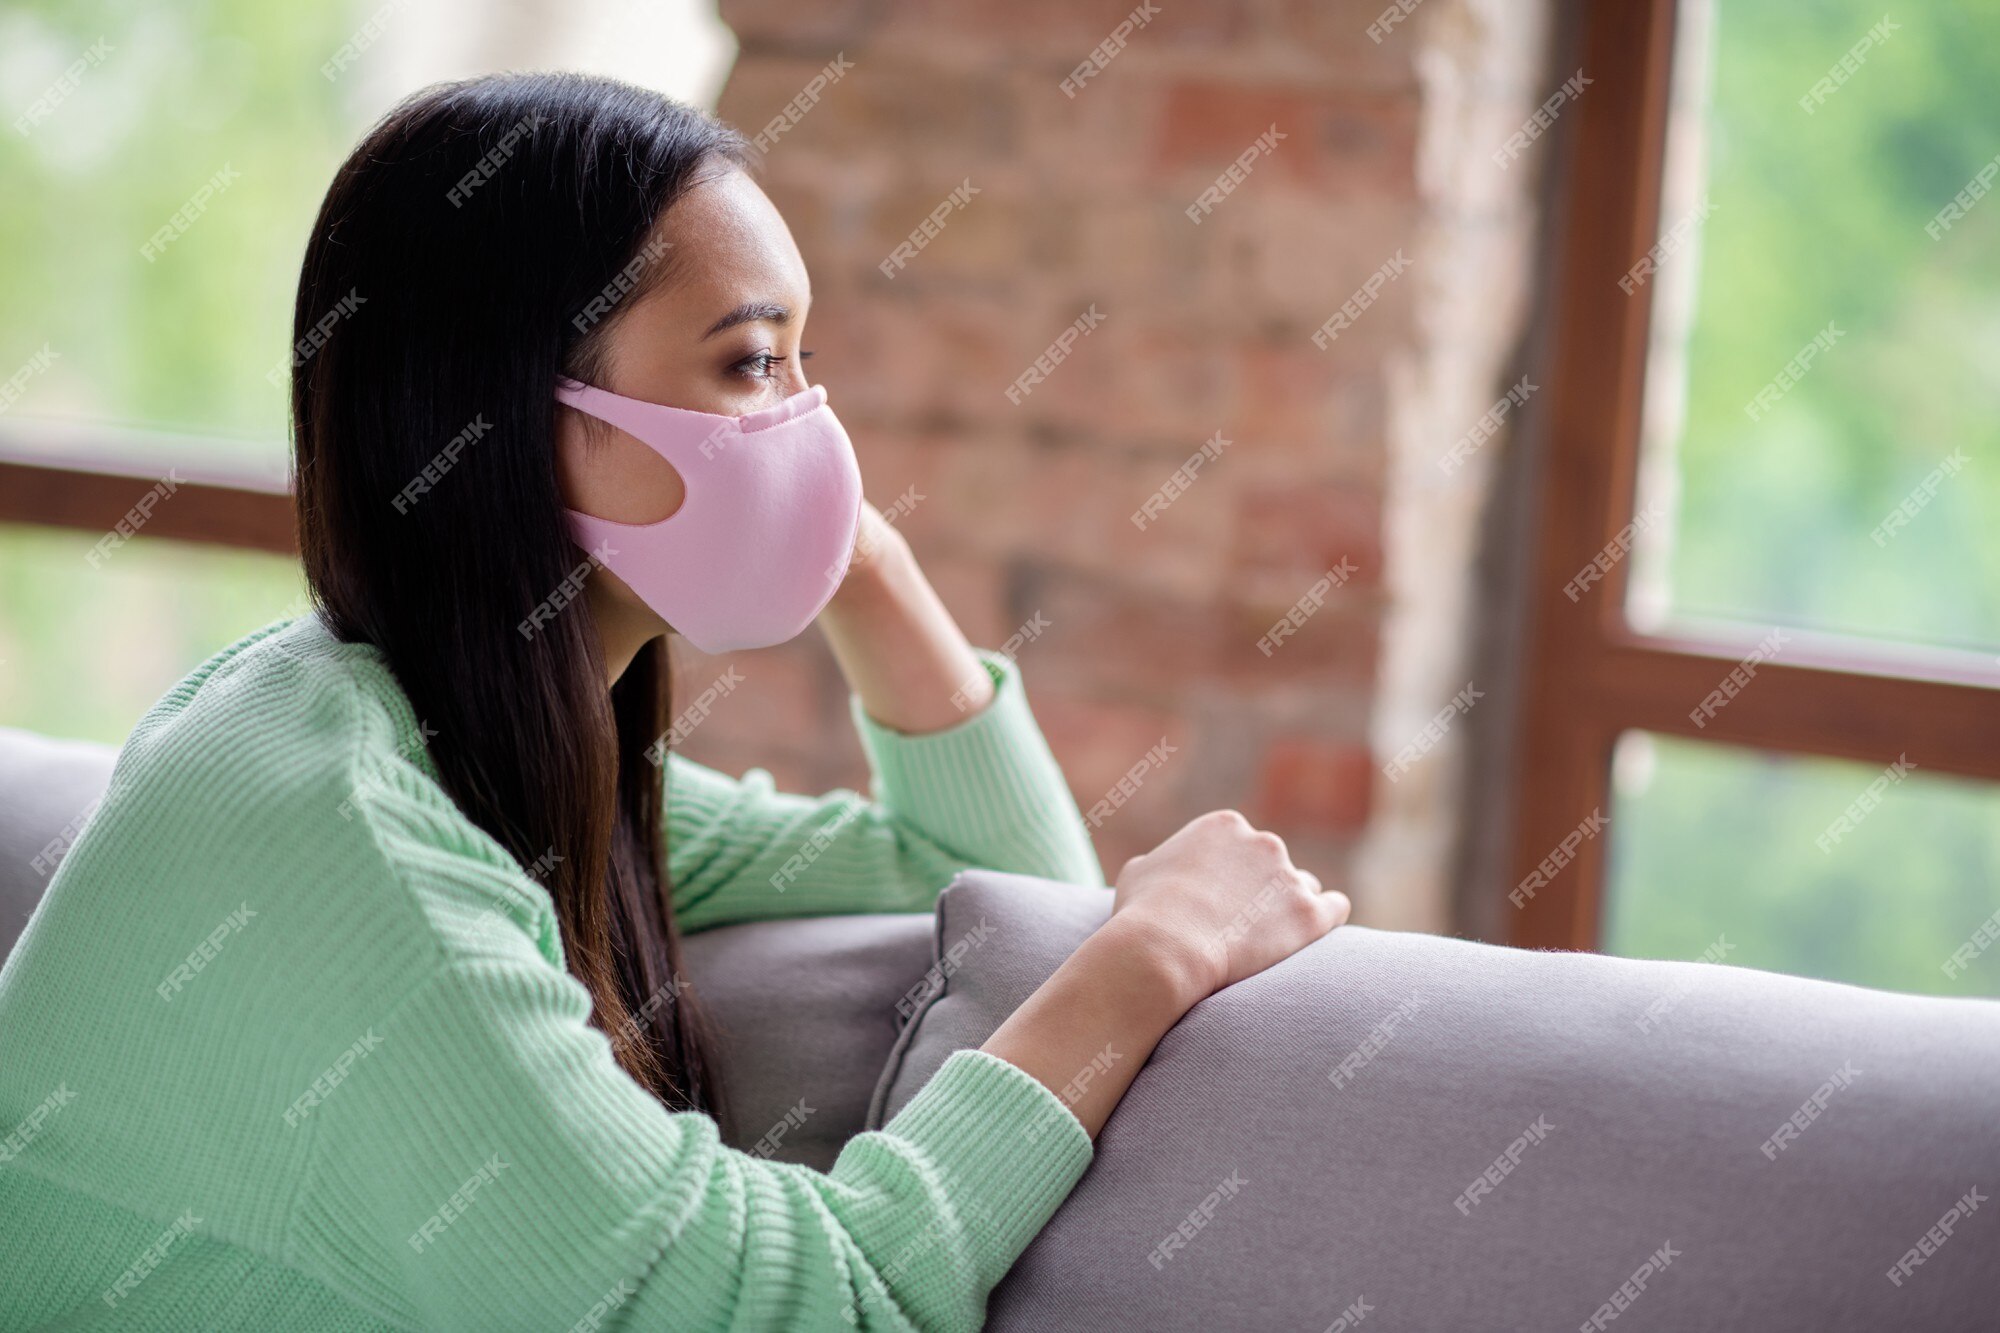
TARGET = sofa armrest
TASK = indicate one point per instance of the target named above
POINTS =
(1471, 1137)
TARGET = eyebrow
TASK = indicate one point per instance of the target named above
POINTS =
(750, 312)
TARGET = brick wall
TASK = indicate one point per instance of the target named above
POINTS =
(1082, 211)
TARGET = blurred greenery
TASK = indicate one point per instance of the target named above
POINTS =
(1711, 841)
(1821, 218)
(184, 340)
(86, 651)
(180, 342)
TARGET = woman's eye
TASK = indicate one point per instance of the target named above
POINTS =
(764, 365)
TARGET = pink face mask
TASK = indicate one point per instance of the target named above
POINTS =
(764, 536)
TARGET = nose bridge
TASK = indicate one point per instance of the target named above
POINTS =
(809, 399)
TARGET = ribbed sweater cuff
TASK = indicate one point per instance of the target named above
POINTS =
(1009, 1149)
(989, 776)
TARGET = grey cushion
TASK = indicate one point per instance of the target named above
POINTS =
(807, 1013)
(1459, 1136)
(46, 788)
(978, 975)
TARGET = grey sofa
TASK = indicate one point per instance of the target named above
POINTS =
(1387, 1130)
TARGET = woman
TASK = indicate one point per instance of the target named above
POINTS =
(359, 1000)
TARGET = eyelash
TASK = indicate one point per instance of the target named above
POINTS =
(764, 361)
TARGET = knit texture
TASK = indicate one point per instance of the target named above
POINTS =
(290, 1042)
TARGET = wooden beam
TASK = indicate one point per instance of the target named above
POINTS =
(1609, 217)
(1806, 706)
(242, 514)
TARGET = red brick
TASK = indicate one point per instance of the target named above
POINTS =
(1363, 140)
(885, 111)
(1301, 411)
(973, 591)
(1062, 33)
(1287, 538)
(1108, 641)
(916, 362)
(1315, 785)
(773, 25)
(1339, 643)
(780, 702)
(983, 240)
(1098, 739)
(1072, 507)
(1325, 855)
(1027, 507)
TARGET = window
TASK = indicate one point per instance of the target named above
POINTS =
(1757, 544)
(1795, 864)
(1822, 347)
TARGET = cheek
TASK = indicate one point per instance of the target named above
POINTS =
(618, 478)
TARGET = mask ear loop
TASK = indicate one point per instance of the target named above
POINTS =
(652, 424)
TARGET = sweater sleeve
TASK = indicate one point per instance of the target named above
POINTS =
(479, 1161)
(476, 1158)
(986, 792)
(484, 1163)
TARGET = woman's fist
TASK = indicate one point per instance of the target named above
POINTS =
(1227, 897)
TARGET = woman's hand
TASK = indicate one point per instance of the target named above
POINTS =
(1227, 898)
(898, 646)
(876, 544)
(1213, 904)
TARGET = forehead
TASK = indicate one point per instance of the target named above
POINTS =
(730, 246)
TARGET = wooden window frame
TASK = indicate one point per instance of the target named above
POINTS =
(1588, 675)
(96, 494)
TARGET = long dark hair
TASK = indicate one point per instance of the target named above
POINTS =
(479, 242)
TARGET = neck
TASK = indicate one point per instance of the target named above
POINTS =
(621, 632)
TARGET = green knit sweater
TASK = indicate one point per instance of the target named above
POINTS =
(290, 1043)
